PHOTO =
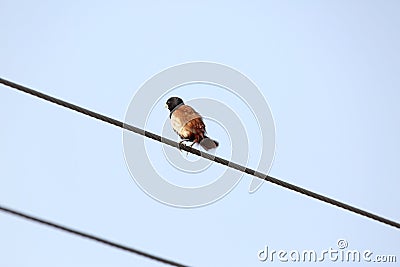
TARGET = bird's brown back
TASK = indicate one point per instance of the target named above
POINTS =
(186, 121)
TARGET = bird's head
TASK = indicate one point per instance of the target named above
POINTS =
(173, 102)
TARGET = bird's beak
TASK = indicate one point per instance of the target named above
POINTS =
(166, 106)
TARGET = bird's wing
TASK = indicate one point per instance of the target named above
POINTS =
(185, 120)
(195, 126)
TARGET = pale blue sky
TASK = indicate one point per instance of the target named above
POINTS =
(329, 70)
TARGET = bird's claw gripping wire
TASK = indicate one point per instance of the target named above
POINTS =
(182, 142)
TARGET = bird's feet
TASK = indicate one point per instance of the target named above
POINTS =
(183, 142)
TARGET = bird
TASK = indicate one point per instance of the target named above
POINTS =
(188, 124)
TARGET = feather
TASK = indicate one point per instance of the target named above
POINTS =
(189, 125)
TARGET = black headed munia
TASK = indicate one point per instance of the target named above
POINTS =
(188, 124)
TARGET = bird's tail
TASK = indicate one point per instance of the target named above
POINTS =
(208, 143)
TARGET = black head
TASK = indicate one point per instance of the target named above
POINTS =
(173, 102)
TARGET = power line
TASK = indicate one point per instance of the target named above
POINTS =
(89, 236)
(199, 153)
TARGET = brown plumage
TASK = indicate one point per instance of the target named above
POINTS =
(188, 124)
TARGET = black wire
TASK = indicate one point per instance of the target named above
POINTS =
(89, 236)
(201, 154)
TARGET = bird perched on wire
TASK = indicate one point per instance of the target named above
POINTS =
(188, 124)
